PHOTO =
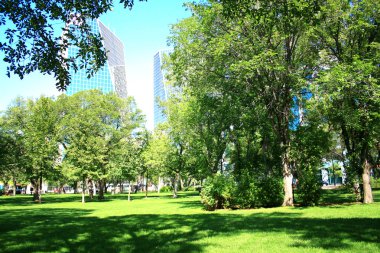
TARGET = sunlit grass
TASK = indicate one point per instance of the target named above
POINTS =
(160, 223)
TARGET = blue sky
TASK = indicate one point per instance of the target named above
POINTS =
(143, 30)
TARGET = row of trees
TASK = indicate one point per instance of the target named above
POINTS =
(274, 88)
(87, 136)
(266, 90)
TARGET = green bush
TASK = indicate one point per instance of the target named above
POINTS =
(309, 188)
(188, 188)
(270, 191)
(167, 188)
(375, 182)
(217, 192)
(245, 191)
(259, 191)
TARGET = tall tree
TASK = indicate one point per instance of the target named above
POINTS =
(255, 52)
(94, 127)
(13, 159)
(42, 141)
(348, 83)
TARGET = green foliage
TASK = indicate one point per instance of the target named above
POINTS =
(258, 191)
(217, 192)
(247, 191)
(347, 87)
(311, 144)
(89, 135)
(102, 136)
(270, 191)
(30, 42)
(243, 64)
(309, 187)
(166, 188)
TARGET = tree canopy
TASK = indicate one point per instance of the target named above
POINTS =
(35, 36)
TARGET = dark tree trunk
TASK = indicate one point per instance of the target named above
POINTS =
(35, 189)
(90, 189)
(101, 189)
(146, 185)
(40, 190)
(75, 186)
(333, 169)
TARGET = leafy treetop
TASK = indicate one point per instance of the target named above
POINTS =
(30, 41)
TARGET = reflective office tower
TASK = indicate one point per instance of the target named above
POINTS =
(160, 89)
(111, 77)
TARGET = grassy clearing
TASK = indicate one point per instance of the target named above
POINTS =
(163, 224)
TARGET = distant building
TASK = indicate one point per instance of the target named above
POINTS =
(160, 89)
(111, 77)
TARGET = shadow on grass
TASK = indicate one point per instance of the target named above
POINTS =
(343, 196)
(188, 204)
(73, 230)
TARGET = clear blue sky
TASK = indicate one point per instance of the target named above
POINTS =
(143, 30)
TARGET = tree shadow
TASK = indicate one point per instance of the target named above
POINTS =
(188, 204)
(75, 230)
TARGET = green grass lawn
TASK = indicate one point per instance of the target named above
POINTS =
(162, 224)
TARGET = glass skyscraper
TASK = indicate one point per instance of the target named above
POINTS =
(112, 76)
(160, 89)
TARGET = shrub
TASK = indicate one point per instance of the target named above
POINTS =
(188, 188)
(258, 191)
(166, 188)
(309, 188)
(246, 192)
(270, 191)
(217, 192)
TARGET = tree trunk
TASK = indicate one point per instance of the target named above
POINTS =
(367, 191)
(35, 192)
(175, 185)
(40, 190)
(288, 179)
(6, 188)
(90, 189)
(14, 186)
(75, 186)
(182, 186)
(93, 188)
(333, 169)
(146, 185)
(83, 189)
(129, 191)
(101, 189)
(34, 183)
(159, 185)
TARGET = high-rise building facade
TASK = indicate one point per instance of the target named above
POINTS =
(112, 76)
(160, 89)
